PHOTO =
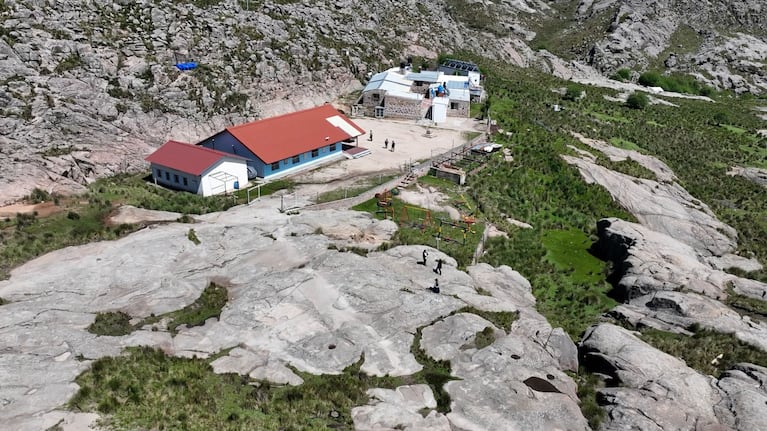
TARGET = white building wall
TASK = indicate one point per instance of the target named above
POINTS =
(439, 109)
(236, 168)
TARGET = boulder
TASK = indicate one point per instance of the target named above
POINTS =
(649, 389)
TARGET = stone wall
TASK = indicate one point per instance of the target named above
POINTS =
(461, 109)
(396, 107)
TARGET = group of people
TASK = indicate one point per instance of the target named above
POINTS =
(386, 141)
(437, 270)
(386, 144)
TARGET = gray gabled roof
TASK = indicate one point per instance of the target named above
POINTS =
(425, 76)
(388, 81)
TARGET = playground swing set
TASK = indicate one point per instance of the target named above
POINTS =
(464, 226)
(385, 204)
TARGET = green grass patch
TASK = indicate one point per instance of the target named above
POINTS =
(624, 144)
(484, 338)
(628, 167)
(420, 226)
(501, 319)
(568, 251)
(145, 389)
(684, 40)
(349, 192)
(752, 307)
(208, 305)
(588, 384)
(655, 123)
(112, 323)
(699, 350)
(434, 373)
(606, 117)
(676, 82)
(733, 129)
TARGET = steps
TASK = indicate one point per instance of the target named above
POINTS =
(408, 179)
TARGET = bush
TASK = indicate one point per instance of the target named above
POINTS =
(484, 338)
(637, 101)
(112, 323)
(572, 93)
(650, 79)
(38, 196)
(622, 75)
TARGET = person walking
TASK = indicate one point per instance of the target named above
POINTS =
(386, 143)
(392, 145)
(424, 254)
(370, 136)
(438, 269)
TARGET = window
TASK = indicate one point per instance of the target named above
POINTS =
(167, 175)
(186, 183)
(332, 147)
(275, 166)
(158, 173)
(315, 153)
(175, 178)
(296, 159)
(453, 105)
(376, 97)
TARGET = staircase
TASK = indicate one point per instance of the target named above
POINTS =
(408, 179)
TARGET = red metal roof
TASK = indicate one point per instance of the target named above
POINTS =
(278, 138)
(187, 158)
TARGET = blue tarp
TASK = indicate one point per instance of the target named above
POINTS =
(186, 66)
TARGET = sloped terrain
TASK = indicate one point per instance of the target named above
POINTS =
(90, 88)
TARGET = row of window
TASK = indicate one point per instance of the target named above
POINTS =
(296, 159)
(176, 178)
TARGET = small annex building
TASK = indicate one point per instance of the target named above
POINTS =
(288, 143)
(196, 169)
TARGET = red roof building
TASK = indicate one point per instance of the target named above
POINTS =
(197, 169)
(278, 144)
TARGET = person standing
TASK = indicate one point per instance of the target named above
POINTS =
(386, 143)
(392, 145)
(424, 254)
(370, 136)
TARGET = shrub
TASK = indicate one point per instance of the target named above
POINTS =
(622, 75)
(38, 196)
(650, 79)
(192, 235)
(572, 93)
(112, 323)
(484, 338)
(637, 101)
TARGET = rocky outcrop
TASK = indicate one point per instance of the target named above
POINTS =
(646, 261)
(664, 207)
(399, 409)
(655, 391)
(294, 299)
(684, 37)
(755, 175)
